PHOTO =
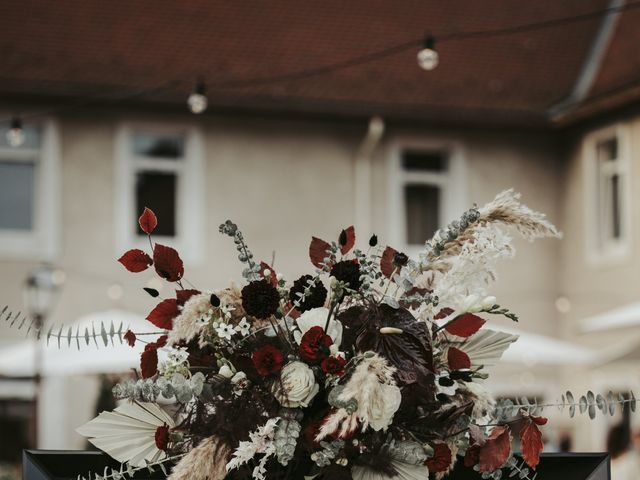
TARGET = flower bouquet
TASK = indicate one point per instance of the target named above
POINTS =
(369, 367)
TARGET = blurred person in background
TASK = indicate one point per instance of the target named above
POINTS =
(624, 461)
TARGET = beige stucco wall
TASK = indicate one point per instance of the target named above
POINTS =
(281, 181)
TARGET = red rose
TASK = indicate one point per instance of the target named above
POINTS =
(267, 360)
(333, 366)
(162, 437)
(314, 345)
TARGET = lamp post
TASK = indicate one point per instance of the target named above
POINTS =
(40, 290)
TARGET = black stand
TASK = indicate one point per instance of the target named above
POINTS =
(67, 465)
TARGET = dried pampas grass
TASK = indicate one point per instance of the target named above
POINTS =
(507, 209)
(207, 461)
(378, 398)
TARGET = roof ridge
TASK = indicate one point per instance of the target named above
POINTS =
(592, 61)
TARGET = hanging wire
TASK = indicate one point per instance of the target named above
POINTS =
(356, 61)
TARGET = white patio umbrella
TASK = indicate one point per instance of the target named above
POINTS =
(18, 360)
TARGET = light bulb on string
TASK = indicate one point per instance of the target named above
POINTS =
(15, 134)
(428, 58)
(197, 100)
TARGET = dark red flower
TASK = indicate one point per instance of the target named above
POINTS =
(314, 346)
(130, 337)
(267, 360)
(162, 437)
(333, 366)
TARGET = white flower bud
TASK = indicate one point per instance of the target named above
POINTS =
(225, 371)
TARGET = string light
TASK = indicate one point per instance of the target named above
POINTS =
(15, 135)
(197, 101)
(428, 58)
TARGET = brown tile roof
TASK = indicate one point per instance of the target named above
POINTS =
(91, 47)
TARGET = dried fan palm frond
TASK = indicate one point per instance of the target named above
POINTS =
(487, 346)
(207, 461)
(128, 433)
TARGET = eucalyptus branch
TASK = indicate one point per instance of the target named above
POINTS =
(129, 471)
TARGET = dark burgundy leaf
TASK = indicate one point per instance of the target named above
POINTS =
(457, 359)
(496, 449)
(167, 263)
(445, 312)
(531, 439)
(472, 457)
(148, 221)
(441, 459)
(214, 300)
(149, 358)
(349, 240)
(135, 260)
(149, 363)
(318, 250)
(162, 316)
(272, 278)
(386, 261)
(465, 325)
(130, 337)
(182, 296)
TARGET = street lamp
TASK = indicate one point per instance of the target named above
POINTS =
(41, 288)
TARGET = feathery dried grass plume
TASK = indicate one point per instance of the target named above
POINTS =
(507, 209)
(205, 462)
(378, 398)
(189, 324)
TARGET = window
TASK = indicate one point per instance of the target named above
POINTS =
(28, 193)
(428, 180)
(161, 168)
(608, 193)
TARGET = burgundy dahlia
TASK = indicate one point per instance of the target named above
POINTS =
(314, 299)
(260, 299)
(348, 272)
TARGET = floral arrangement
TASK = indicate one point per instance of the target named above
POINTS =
(369, 367)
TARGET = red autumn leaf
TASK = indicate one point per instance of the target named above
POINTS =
(135, 260)
(130, 337)
(162, 316)
(168, 263)
(465, 325)
(148, 221)
(149, 362)
(318, 250)
(457, 359)
(445, 312)
(149, 358)
(386, 261)
(496, 450)
(272, 278)
(531, 439)
(472, 457)
(183, 295)
(441, 459)
(350, 234)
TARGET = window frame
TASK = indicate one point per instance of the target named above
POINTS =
(42, 242)
(452, 182)
(600, 251)
(189, 188)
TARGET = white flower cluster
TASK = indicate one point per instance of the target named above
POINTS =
(260, 442)
(474, 268)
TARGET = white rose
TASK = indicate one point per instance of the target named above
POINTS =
(381, 411)
(317, 317)
(297, 385)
